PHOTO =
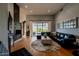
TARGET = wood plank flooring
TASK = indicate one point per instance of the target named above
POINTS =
(26, 43)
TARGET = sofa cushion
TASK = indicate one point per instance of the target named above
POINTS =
(58, 35)
(62, 36)
(72, 36)
(66, 37)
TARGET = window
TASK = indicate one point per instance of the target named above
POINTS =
(38, 27)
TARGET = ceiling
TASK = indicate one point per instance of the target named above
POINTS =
(41, 8)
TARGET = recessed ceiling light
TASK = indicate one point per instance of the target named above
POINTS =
(49, 10)
(31, 11)
(26, 6)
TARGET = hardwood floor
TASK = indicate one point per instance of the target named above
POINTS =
(26, 43)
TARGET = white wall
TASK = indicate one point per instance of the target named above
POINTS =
(11, 9)
(22, 15)
(69, 11)
(3, 24)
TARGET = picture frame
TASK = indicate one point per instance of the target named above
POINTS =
(69, 24)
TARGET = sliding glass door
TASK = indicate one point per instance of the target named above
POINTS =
(38, 27)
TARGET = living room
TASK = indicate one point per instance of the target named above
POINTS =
(61, 26)
(42, 29)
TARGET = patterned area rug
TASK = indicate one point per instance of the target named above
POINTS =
(37, 44)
